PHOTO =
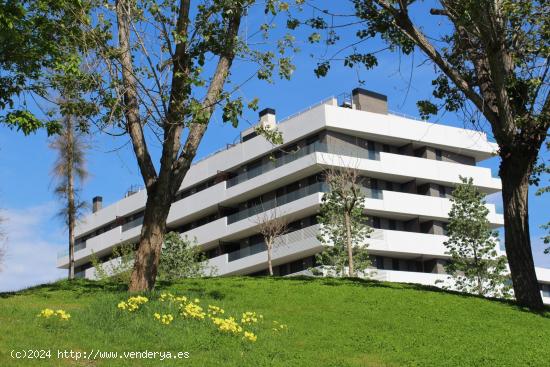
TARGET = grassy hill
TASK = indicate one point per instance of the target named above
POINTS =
(330, 322)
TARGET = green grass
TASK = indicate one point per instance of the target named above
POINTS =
(331, 322)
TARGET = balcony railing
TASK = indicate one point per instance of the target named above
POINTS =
(77, 247)
(285, 239)
(278, 201)
(132, 224)
(357, 152)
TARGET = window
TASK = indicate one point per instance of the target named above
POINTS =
(545, 290)
(442, 191)
(376, 222)
(395, 264)
(393, 225)
(379, 262)
(386, 148)
(438, 155)
(372, 150)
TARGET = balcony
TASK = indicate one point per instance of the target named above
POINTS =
(278, 201)
(356, 152)
(290, 246)
(77, 247)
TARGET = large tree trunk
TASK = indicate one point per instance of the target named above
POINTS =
(515, 169)
(150, 244)
(347, 223)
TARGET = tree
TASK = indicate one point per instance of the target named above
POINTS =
(474, 265)
(271, 226)
(344, 227)
(69, 171)
(180, 258)
(492, 59)
(40, 41)
(163, 70)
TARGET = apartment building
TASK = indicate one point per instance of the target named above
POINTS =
(408, 170)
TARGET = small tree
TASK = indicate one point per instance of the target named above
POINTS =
(475, 265)
(69, 171)
(344, 228)
(180, 258)
(271, 226)
(119, 265)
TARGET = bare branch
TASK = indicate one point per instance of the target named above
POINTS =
(131, 110)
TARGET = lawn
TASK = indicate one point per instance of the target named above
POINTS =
(331, 322)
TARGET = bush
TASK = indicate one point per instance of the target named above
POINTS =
(180, 258)
(118, 270)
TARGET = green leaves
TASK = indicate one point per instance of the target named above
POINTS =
(322, 69)
(180, 258)
(426, 109)
(343, 223)
(272, 135)
(27, 122)
(475, 264)
(39, 39)
(232, 110)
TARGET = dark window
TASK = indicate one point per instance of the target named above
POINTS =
(395, 264)
(379, 262)
(438, 154)
(393, 225)
(386, 148)
(374, 184)
(441, 191)
(376, 222)
(389, 186)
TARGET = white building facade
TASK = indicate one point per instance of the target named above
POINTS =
(408, 170)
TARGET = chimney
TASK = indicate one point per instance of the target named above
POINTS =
(366, 100)
(97, 203)
(267, 118)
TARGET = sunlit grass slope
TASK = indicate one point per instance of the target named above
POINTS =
(330, 322)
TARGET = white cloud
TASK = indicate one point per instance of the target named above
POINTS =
(34, 236)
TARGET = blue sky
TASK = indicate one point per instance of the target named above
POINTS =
(35, 235)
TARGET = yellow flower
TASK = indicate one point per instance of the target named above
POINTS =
(196, 300)
(227, 325)
(132, 303)
(194, 311)
(249, 318)
(46, 313)
(250, 336)
(157, 315)
(215, 310)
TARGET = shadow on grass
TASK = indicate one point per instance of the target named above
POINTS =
(78, 286)
(370, 283)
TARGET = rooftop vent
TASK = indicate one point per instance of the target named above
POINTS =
(97, 203)
(267, 119)
(133, 190)
(366, 100)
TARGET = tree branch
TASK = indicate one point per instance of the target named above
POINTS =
(131, 105)
(403, 21)
(198, 128)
